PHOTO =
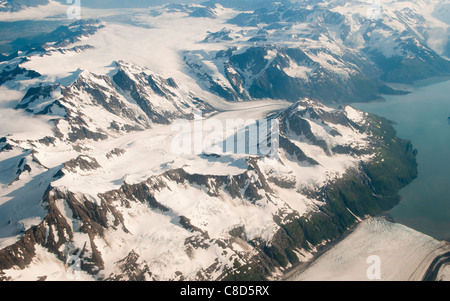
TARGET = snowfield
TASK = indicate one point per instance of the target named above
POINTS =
(91, 163)
(99, 167)
(405, 255)
(444, 273)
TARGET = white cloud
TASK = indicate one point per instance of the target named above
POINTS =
(17, 122)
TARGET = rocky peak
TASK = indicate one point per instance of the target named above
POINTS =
(330, 129)
(131, 100)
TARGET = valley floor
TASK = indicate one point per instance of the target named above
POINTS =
(404, 255)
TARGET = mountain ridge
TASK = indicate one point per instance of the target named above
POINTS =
(110, 190)
(80, 223)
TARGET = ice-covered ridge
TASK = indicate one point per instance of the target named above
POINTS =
(208, 211)
(97, 106)
(201, 213)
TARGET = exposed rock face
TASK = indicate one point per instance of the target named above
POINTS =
(132, 100)
(129, 270)
(45, 44)
(10, 72)
(83, 163)
(332, 57)
(57, 230)
(61, 37)
(156, 96)
(4, 145)
(237, 226)
(128, 209)
(115, 152)
(279, 72)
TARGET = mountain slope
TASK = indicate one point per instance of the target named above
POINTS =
(17, 5)
(247, 223)
(149, 176)
(57, 41)
(327, 51)
(98, 106)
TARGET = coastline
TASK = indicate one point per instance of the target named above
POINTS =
(411, 87)
(404, 88)
(428, 268)
(428, 135)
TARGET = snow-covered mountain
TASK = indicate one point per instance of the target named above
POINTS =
(17, 5)
(332, 51)
(57, 41)
(108, 194)
(96, 106)
(193, 10)
(132, 210)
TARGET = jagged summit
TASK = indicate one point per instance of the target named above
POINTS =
(136, 184)
(336, 52)
(120, 199)
(132, 99)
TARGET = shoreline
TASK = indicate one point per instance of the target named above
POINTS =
(412, 87)
(406, 88)
(420, 222)
(430, 265)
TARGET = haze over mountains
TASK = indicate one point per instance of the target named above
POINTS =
(17, 5)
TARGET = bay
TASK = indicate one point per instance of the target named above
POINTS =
(423, 117)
